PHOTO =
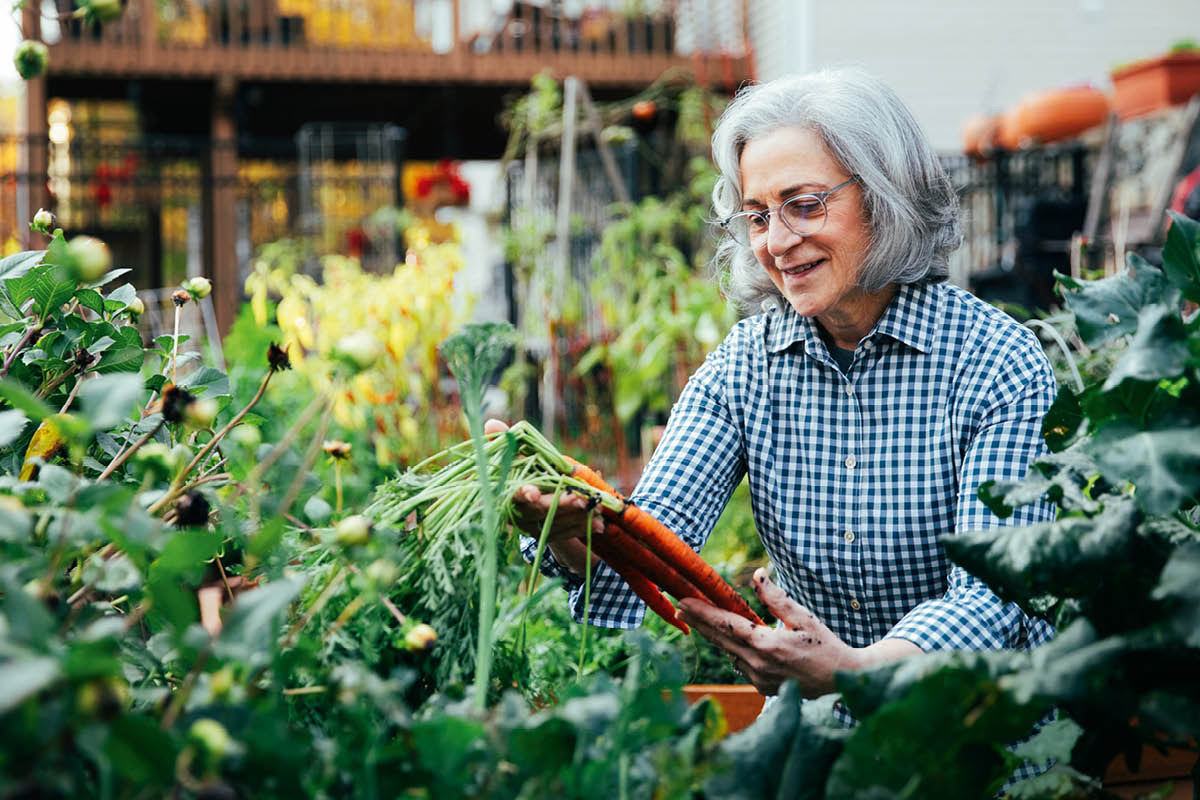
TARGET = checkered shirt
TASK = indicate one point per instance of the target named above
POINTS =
(854, 476)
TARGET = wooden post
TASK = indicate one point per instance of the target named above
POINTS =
(620, 192)
(31, 186)
(562, 261)
(221, 247)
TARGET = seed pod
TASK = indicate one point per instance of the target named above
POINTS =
(277, 358)
(337, 449)
(353, 531)
(420, 638)
(180, 297)
(191, 510)
(174, 402)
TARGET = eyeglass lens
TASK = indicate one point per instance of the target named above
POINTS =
(804, 215)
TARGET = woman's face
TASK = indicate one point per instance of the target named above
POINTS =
(817, 274)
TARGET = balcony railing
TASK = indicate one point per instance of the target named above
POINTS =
(403, 40)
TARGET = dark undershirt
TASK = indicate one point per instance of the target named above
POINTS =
(842, 357)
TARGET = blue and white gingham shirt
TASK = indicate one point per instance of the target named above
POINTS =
(854, 476)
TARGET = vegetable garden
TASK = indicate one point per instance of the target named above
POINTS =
(298, 577)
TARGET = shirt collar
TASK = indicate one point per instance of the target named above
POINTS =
(911, 318)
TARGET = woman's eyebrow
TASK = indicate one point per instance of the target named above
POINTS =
(785, 193)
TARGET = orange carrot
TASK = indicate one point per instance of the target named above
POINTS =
(660, 572)
(638, 582)
(660, 540)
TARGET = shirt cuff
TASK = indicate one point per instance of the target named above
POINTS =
(550, 567)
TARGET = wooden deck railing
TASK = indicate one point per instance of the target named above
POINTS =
(394, 41)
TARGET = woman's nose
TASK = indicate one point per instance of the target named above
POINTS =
(780, 238)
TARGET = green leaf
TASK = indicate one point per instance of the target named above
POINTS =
(24, 400)
(19, 264)
(1179, 584)
(109, 400)
(124, 359)
(51, 288)
(253, 624)
(141, 752)
(317, 511)
(1059, 477)
(1159, 348)
(1063, 419)
(12, 423)
(109, 277)
(1108, 308)
(1054, 741)
(1070, 557)
(120, 297)
(23, 677)
(1163, 464)
(1181, 256)
(207, 380)
(186, 553)
(270, 535)
(90, 298)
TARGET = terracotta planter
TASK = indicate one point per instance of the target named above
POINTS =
(1155, 83)
(740, 703)
(1057, 114)
(1154, 770)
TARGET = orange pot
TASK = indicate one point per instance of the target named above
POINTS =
(979, 134)
(741, 704)
(1155, 83)
(1057, 114)
(1008, 132)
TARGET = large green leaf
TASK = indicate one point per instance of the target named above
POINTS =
(17, 396)
(252, 627)
(1108, 308)
(944, 736)
(1060, 477)
(1070, 557)
(24, 676)
(1159, 348)
(1164, 464)
(109, 400)
(141, 752)
(19, 264)
(208, 381)
(1181, 255)
(51, 288)
(12, 422)
(1179, 585)
(121, 359)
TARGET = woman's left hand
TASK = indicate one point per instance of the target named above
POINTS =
(802, 648)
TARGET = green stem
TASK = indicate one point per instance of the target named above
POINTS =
(123, 456)
(587, 597)
(472, 405)
(537, 558)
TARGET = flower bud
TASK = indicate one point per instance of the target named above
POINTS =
(360, 349)
(175, 401)
(136, 306)
(198, 287)
(277, 358)
(31, 58)
(43, 220)
(191, 510)
(337, 449)
(200, 413)
(248, 436)
(211, 737)
(381, 574)
(420, 638)
(89, 259)
(352, 531)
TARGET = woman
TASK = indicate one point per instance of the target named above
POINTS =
(867, 401)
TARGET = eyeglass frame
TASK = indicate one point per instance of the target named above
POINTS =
(821, 198)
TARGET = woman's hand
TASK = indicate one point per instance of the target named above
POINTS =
(801, 649)
(570, 519)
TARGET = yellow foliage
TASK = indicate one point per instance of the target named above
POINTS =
(408, 311)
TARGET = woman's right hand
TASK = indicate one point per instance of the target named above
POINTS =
(565, 539)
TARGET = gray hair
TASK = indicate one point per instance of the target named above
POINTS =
(908, 199)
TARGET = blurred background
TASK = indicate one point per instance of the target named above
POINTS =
(558, 147)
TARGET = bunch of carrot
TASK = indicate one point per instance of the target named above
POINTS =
(645, 553)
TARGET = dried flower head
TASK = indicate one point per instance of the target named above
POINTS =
(180, 296)
(277, 357)
(337, 448)
(175, 402)
(191, 510)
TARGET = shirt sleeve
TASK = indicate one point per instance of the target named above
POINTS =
(969, 616)
(686, 484)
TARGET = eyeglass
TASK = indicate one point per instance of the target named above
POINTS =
(803, 214)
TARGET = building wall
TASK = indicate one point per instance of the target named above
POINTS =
(949, 60)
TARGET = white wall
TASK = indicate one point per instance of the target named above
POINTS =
(949, 60)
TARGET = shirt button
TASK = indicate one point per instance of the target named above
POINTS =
(849, 390)
(855, 605)
(851, 463)
(849, 536)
